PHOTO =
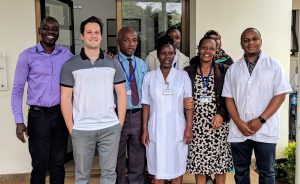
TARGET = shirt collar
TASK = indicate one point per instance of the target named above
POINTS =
(258, 55)
(40, 48)
(85, 57)
(123, 58)
(170, 77)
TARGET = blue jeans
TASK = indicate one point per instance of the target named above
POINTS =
(265, 161)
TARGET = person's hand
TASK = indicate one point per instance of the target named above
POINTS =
(245, 130)
(20, 130)
(110, 55)
(187, 136)
(145, 137)
(188, 103)
(254, 125)
(217, 121)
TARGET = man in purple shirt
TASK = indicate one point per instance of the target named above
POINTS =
(47, 134)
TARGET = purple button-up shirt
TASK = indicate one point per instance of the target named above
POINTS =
(42, 72)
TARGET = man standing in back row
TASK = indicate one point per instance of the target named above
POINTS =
(255, 87)
(40, 67)
(87, 82)
(134, 70)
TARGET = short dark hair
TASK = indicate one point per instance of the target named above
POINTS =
(170, 29)
(91, 19)
(125, 30)
(211, 32)
(248, 29)
(206, 38)
(48, 19)
(163, 40)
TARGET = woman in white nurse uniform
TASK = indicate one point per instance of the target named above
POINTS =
(166, 130)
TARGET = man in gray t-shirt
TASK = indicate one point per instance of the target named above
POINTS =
(87, 102)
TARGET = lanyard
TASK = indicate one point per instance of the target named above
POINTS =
(205, 81)
(128, 77)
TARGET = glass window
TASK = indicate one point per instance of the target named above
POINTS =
(151, 18)
(63, 14)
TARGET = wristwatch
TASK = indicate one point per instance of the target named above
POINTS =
(262, 120)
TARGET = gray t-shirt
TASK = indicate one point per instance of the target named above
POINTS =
(93, 86)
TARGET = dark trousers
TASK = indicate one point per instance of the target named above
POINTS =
(48, 137)
(130, 141)
(265, 161)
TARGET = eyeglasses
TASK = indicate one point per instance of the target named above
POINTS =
(166, 53)
(248, 40)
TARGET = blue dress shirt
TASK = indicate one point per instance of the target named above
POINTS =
(140, 69)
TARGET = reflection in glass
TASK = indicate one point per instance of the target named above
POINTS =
(61, 12)
(155, 16)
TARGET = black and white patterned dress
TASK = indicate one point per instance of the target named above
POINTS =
(209, 152)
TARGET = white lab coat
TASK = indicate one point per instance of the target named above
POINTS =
(252, 94)
(166, 152)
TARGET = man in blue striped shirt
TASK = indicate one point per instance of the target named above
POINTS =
(134, 70)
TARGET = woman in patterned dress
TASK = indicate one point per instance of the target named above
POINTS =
(209, 152)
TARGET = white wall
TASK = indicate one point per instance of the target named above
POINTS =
(17, 32)
(194, 29)
(271, 17)
(100, 8)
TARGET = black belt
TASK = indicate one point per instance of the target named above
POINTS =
(133, 110)
(45, 109)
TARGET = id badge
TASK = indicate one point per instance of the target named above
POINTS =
(205, 99)
(168, 91)
(128, 92)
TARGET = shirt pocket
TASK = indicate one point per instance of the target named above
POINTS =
(265, 79)
(180, 128)
(151, 130)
